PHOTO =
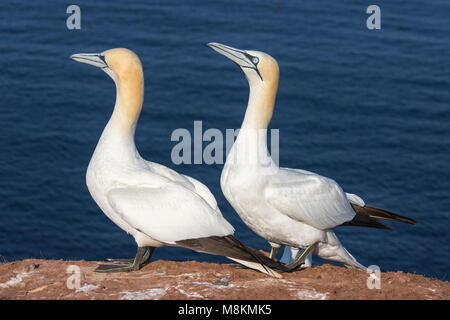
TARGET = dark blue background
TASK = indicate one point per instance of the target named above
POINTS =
(368, 108)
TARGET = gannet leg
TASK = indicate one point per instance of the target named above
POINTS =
(148, 254)
(274, 248)
(145, 258)
(143, 255)
(273, 252)
(308, 261)
(291, 253)
(301, 258)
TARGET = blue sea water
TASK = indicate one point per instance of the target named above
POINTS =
(368, 108)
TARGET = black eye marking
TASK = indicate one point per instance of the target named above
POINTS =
(103, 58)
(253, 59)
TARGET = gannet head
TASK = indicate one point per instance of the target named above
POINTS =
(119, 63)
(125, 68)
(258, 67)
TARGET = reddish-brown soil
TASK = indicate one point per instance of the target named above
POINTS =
(47, 279)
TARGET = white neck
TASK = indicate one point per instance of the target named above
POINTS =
(118, 135)
(250, 148)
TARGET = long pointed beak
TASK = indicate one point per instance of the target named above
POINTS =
(240, 57)
(94, 59)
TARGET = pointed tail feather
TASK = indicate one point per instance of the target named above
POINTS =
(362, 220)
(386, 215)
(367, 217)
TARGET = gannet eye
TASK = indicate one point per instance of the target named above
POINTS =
(255, 60)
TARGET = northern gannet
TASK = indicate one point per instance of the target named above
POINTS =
(286, 206)
(153, 203)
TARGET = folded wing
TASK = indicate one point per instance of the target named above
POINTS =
(168, 214)
(310, 198)
(186, 181)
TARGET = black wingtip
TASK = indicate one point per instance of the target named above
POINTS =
(387, 215)
(231, 247)
(362, 220)
(265, 261)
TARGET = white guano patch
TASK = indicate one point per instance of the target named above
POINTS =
(86, 288)
(15, 280)
(149, 294)
(311, 295)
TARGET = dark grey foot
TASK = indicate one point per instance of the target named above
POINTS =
(104, 268)
(119, 261)
(142, 258)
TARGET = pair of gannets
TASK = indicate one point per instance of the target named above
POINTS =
(159, 206)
